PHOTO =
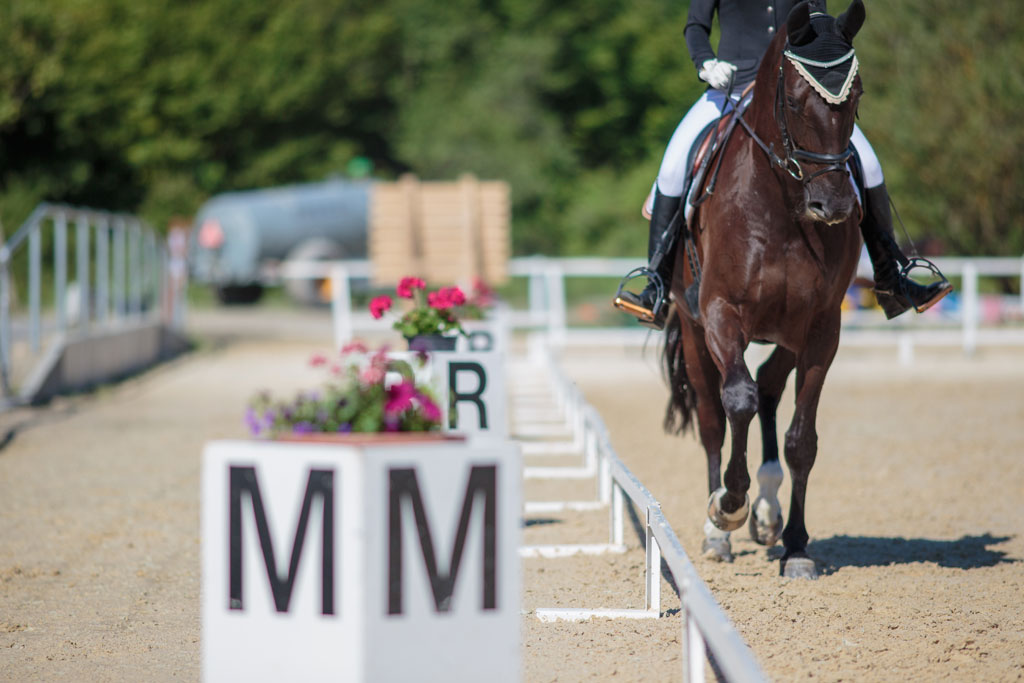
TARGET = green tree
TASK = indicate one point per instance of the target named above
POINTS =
(943, 95)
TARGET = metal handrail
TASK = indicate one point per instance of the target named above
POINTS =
(119, 260)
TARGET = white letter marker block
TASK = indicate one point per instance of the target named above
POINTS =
(475, 397)
(368, 563)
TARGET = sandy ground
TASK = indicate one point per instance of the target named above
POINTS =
(915, 515)
(915, 510)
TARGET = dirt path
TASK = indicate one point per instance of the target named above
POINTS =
(919, 527)
(99, 516)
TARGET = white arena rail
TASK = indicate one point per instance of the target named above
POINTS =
(547, 310)
(707, 631)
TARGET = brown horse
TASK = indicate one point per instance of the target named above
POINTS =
(778, 245)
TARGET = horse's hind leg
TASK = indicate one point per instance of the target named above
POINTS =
(766, 513)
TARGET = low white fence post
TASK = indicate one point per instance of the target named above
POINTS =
(970, 307)
(618, 513)
(341, 306)
(694, 672)
(554, 280)
(653, 601)
(1021, 288)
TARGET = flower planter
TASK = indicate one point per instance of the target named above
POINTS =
(432, 342)
(361, 561)
(370, 438)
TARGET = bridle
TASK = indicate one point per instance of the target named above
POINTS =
(793, 154)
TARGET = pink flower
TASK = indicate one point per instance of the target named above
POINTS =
(400, 398)
(317, 359)
(355, 346)
(438, 300)
(379, 305)
(456, 296)
(373, 374)
(407, 285)
(445, 298)
(381, 356)
(482, 294)
(430, 409)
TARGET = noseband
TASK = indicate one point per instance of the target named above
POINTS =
(793, 155)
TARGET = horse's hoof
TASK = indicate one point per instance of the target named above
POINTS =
(798, 567)
(716, 550)
(727, 521)
(764, 529)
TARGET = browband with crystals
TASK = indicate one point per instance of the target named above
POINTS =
(801, 64)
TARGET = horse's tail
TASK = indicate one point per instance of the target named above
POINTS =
(682, 399)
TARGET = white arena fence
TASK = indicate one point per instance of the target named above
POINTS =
(707, 632)
(547, 308)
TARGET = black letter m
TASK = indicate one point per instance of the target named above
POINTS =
(403, 484)
(320, 483)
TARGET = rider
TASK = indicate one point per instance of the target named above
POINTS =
(747, 28)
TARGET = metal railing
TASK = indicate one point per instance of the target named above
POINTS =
(707, 631)
(119, 276)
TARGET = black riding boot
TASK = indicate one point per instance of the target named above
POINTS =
(650, 309)
(895, 292)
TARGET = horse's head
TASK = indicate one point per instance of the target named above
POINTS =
(816, 104)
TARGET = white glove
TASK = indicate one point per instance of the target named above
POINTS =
(716, 73)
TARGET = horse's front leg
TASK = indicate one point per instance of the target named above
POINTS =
(705, 380)
(729, 506)
(766, 514)
(802, 444)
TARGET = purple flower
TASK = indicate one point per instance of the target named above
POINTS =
(344, 428)
(269, 418)
(252, 422)
(303, 428)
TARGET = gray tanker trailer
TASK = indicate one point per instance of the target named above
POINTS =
(238, 234)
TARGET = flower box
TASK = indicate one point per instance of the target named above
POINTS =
(361, 562)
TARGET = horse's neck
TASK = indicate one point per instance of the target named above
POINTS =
(762, 108)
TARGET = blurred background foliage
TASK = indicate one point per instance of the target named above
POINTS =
(155, 106)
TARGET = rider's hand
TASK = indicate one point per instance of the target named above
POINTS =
(716, 73)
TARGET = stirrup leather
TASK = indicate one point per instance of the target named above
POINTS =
(643, 315)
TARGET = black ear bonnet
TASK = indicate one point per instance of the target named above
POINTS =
(821, 48)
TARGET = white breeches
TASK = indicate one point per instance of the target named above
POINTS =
(672, 173)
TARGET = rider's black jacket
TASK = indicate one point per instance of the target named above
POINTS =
(747, 27)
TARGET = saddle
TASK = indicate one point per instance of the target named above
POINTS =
(705, 151)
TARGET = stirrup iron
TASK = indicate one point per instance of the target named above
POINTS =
(921, 262)
(649, 318)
